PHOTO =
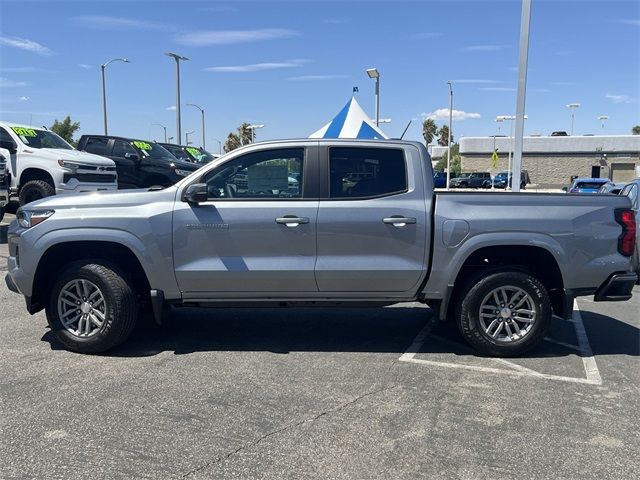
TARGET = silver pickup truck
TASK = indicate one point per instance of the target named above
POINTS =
(320, 223)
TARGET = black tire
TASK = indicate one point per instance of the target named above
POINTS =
(35, 190)
(468, 313)
(120, 311)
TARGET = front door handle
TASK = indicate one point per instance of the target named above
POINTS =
(398, 221)
(291, 220)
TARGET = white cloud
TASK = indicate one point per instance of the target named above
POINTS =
(172, 107)
(85, 66)
(617, 98)
(630, 21)
(476, 80)
(106, 22)
(227, 37)
(25, 44)
(256, 67)
(443, 114)
(24, 99)
(483, 48)
(311, 78)
(6, 83)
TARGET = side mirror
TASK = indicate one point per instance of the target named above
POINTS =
(196, 193)
(132, 156)
(7, 145)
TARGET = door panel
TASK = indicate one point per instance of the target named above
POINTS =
(257, 233)
(360, 247)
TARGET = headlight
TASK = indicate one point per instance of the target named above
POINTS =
(68, 164)
(182, 173)
(31, 218)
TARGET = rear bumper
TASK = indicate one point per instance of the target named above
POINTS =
(617, 288)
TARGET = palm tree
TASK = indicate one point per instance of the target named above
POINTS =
(429, 129)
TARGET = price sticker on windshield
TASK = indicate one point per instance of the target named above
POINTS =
(141, 145)
(24, 132)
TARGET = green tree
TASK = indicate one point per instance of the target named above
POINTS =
(443, 136)
(429, 130)
(66, 129)
(242, 136)
(456, 161)
(636, 130)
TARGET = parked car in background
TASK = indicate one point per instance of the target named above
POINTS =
(440, 179)
(502, 179)
(472, 180)
(140, 163)
(499, 265)
(611, 187)
(4, 180)
(189, 153)
(41, 164)
(632, 190)
(586, 185)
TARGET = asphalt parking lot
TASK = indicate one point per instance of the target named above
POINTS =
(320, 393)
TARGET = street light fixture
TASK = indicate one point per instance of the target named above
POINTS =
(572, 107)
(202, 112)
(253, 131)
(177, 58)
(104, 89)
(375, 74)
(603, 118)
(449, 139)
(186, 137)
(165, 130)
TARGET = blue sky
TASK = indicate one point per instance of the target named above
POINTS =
(292, 65)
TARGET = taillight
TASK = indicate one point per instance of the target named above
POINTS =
(627, 239)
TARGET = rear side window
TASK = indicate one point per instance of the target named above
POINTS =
(96, 145)
(356, 172)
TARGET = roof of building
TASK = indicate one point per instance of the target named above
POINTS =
(569, 144)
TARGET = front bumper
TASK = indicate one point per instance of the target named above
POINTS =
(617, 288)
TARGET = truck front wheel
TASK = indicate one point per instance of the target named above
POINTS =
(92, 307)
(504, 313)
(35, 190)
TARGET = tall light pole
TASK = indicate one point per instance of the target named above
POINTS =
(202, 113)
(186, 137)
(253, 131)
(373, 73)
(104, 89)
(603, 118)
(449, 139)
(572, 107)
(177, 58)
(165, 130)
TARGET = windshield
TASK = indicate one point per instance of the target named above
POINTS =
(40, 138)
(589, 185)
(200, 155)
(153, 150)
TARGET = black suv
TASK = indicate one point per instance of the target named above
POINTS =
(189, 153)
(140, 164)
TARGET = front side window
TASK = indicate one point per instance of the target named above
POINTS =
(259, 175)
(121, 148)
(356, 172)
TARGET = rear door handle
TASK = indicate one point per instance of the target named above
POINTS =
(398, 221)
(291, 220)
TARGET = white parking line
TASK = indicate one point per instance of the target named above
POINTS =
(584, 348)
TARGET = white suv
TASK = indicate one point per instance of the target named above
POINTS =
(42, 164)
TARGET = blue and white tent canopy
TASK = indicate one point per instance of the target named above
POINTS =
(351, 122)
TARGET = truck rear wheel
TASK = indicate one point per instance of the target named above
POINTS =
(504, 313)
(35, 190)
(92, 307)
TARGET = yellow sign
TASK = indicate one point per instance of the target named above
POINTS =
(494, 159)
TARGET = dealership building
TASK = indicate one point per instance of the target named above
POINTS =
(552, 161)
